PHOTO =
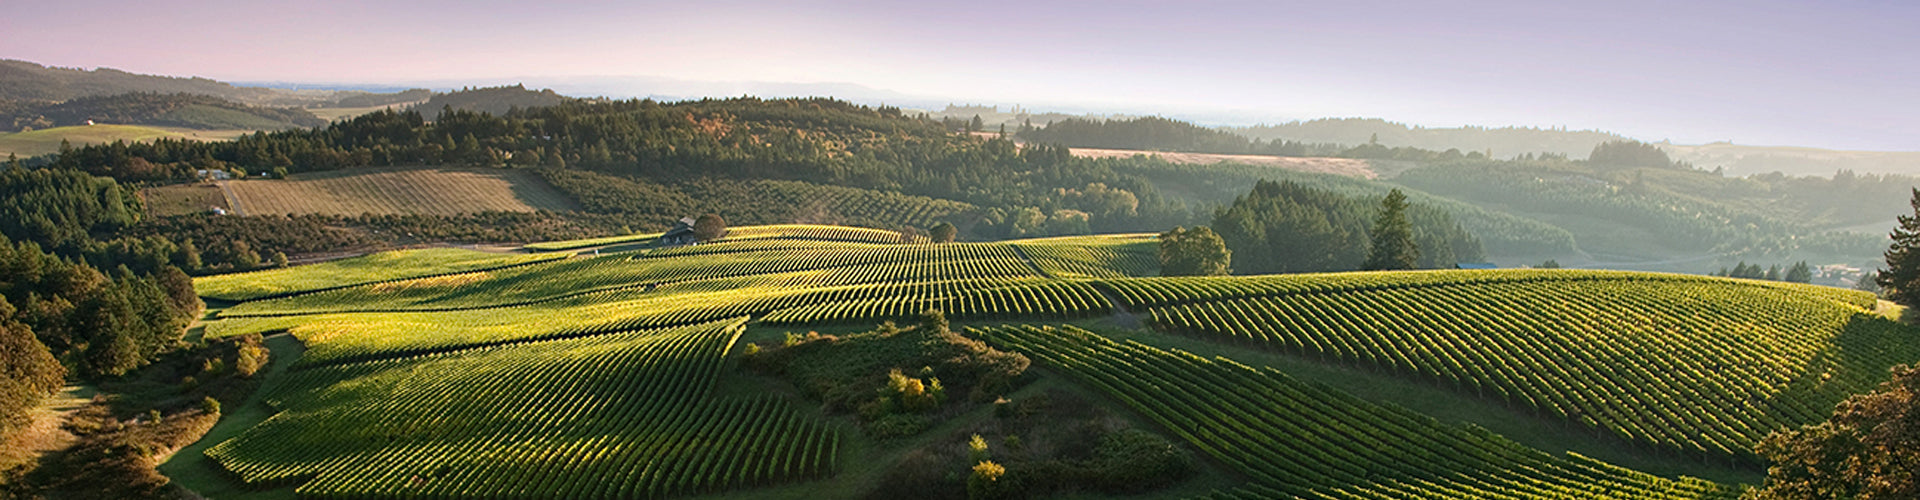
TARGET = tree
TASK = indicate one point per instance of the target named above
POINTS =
(1393, 246)
(943, 232)
(709, 227)
(1550, 264)
(1868, 449)
(1193, 252)
(1901, 278)
(1869, 282)
(1799, 273)
(28, 371)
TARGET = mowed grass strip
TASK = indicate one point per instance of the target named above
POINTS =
(399, 191)
(372, 268)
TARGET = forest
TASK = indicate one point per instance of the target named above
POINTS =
(1285, 227)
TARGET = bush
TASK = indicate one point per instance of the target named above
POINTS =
(252, 356)
(985, 481)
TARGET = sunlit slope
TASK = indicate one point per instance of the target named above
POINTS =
(1704, 366)
(372, 268)
(1701, 365)
(1294, 439)
(611, 416)
(801, 277)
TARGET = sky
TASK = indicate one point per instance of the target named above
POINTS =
(1839, 74)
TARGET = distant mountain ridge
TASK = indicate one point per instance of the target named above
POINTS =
(23, 80)
(1504, 141)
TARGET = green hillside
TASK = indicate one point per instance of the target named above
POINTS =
(1678, 373)
(47, 141)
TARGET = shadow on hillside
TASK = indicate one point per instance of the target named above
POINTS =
(1855, 361)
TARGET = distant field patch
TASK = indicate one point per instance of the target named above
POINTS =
(336, 114)
(182, 199)
(391, 191)
(1337, 166)
(47, 141)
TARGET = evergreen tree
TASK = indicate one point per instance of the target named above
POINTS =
(1799, 273)
(1901, 278)
(1393, 246)
(1193, 252)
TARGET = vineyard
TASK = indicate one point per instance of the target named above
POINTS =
(1312, 442)
(621, 415)
(428, 191)
(445, 374)
(1648, 358)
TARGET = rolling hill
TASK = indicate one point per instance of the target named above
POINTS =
(47, 141)
(411, 373)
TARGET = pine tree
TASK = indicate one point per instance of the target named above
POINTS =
(1799, 273)
(1393, 245)
(1901, 278)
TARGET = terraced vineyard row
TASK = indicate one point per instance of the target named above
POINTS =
(1041, 300)
(1157, 291)
(1299, 440)
(611, 416)
(547, 281)
(1095, 256)
(333, 338)
(1690, 364)
(814, 232)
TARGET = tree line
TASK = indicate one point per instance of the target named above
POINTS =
(1286, 227)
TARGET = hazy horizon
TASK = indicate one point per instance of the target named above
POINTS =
(1756, 73)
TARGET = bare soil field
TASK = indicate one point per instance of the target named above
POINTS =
(1338, 166)
(407, 190)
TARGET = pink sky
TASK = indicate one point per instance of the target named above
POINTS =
(1829, 74)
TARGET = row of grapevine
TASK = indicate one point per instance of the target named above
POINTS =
(1035, 299)
(1705, 366)
(1156, 291)
(616, 416)
(549, 281)
(1293, 439)
(814, 232)
(334, 338)
(1094, 258)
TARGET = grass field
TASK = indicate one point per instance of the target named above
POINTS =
(1573, 382)
(47, 141)
(384, 191)
(383, 266)
(334, 114)
(182, 199)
